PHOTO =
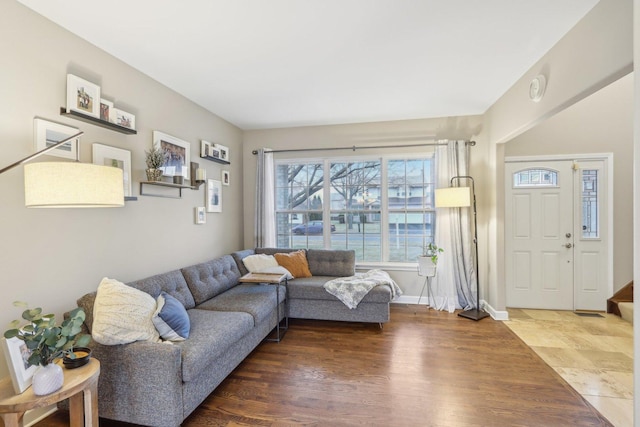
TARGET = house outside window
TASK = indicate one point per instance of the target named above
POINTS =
(380, 207)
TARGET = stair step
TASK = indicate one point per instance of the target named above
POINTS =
(626, 311)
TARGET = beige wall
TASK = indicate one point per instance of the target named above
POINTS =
(595, 53)
(50, 257)
(601, 123)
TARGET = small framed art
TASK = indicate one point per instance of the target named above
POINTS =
(225, 178)
(214, 195)
(106, 110)
(122, 118)
(116, 157)
(83, 96)
(17, 355)
(224, 152)
(201, 215)
(177, 154)
(49, 133)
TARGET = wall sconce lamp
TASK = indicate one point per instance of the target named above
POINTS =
(70, 184)
(199, 175)
(461, 197)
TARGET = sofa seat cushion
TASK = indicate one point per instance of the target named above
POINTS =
(256, 299)
(212, 332)
(311, 288)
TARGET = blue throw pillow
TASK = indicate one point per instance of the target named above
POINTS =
(171, 319)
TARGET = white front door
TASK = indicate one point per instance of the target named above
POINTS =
(556, 234)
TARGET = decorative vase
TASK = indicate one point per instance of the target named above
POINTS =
(154, 174)
(47, 379)
(426, 266)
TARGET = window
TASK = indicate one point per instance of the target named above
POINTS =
(535, 178)
(381, 208)
(590, 213)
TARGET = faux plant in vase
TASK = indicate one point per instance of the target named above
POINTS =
(428, 262)
(155, 158)
(46, 342)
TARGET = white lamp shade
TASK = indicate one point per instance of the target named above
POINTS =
(72, 185)
(453, 197)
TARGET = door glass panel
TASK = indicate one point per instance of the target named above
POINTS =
(590, 210)
(535, 178)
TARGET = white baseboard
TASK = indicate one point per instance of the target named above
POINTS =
(495, 314)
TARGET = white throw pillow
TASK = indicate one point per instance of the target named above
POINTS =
(257, 263)
(122, 314)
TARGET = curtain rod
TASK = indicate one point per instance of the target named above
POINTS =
(354, 147)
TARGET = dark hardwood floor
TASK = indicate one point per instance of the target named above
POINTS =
(425, 368)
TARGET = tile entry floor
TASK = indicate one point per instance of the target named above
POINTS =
(593, 354)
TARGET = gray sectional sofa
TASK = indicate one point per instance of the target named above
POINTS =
(160, 384)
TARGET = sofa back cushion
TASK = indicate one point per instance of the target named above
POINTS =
(239, 256)
(273, 251)
(208, 279)
(329, 262)
(172, 283)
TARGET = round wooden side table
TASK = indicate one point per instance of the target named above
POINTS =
(80, 387)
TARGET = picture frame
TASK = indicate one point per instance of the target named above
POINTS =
(214, 195)
(201, 215)
(178, 154)
(106, 110)
(106, 155)
(122, 118)
(224, 152)
(213, 152)
(83, 96)
(225, 177)
(17, 354)
(47, 133)
(204, 148)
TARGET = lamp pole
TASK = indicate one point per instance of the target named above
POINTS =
(474, 313)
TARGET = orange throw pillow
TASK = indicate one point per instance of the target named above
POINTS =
(295, 262)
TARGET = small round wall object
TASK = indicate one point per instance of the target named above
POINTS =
(537, 88)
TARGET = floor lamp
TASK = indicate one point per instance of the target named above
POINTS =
(460, 197)
(69, 184)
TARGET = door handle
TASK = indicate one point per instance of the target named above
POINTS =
(568, 245)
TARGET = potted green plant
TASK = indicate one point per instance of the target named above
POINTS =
(428, 261)
(155, 158)
(46, 342)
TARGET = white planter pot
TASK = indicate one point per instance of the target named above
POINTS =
(47, 379)
(426, 266)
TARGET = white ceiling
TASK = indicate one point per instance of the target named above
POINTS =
(280, 63)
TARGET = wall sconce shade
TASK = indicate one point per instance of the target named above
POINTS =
(453, 197)
(72, 185)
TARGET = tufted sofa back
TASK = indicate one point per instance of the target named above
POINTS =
(208, 279)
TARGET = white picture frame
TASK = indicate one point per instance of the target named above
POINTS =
(204, 148)
(214, 195)
(122, 118)
(17, 354)
(201, 215)
(48, 133)
(83, 96)
(106, 155)
(106, 111)
(224, 152)
(226, 177)
(178, 154)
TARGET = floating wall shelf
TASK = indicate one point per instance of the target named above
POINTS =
(215, 159)
(164, 184)
(96, 121)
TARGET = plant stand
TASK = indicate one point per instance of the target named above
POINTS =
(427, 283)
